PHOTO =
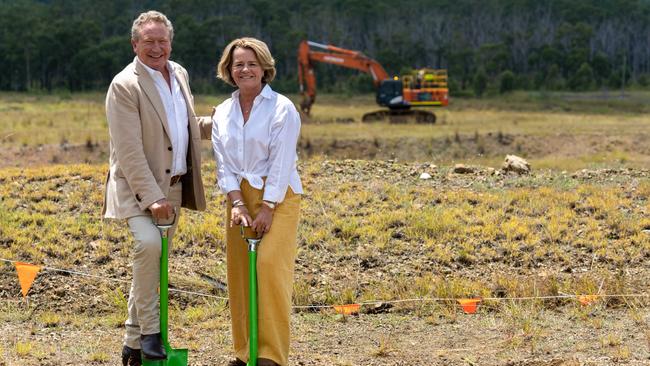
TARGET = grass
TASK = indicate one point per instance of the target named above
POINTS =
(370, 230)
(597, 224)
(60, 118)
(23, 349)
(577, 133)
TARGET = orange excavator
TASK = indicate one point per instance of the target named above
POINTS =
(423, 87)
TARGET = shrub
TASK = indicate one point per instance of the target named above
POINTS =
(480, 82)
(583, 79)
(506, 82)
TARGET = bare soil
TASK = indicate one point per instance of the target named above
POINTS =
(451, 148)
(608, 333)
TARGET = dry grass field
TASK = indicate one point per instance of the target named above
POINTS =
(372, 232)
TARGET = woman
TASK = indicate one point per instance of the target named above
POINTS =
(254, 136)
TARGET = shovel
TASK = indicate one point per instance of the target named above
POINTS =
(175, 357)
(252, 296)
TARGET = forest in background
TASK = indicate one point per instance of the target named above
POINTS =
(500, 45)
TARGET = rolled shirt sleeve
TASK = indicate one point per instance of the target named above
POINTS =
(285, 130)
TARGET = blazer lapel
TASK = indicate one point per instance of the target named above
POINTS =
(186, 93)
(149, 88)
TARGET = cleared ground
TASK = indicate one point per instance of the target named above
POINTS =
(372, 232)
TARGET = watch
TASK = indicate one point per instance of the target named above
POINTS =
(270, 204)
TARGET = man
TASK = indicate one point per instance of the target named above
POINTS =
(155, 167)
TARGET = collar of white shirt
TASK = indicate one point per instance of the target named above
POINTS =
(266, 92)
(152, 72)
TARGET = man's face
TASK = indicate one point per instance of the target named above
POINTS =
(153, 47)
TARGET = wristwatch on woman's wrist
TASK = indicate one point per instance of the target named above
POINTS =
(237, 203)
(270, 204)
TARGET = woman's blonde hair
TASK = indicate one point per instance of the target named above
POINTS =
(261, 51)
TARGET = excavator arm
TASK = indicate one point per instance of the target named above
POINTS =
(331, 55)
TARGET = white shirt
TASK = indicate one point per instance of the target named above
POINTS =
(263, 147)
(177, 118)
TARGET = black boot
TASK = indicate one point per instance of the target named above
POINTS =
(152, 347)
(236, 362)
(131, 357)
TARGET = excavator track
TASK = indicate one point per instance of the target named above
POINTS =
(400, 116)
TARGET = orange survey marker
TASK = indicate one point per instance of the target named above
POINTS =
(26, 275)
(469, 305)
(587, 299)
(347, 309)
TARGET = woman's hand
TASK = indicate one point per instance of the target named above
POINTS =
(262, 223)
(239, 216)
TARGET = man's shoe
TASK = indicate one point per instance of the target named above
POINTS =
(152, 348)
(131, 357)
(236, 362)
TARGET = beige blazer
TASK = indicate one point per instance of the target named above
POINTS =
(140, 147)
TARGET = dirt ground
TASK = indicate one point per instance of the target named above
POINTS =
(568, 334)
(325, 338)
(493, 145)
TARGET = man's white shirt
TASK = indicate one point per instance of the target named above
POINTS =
(176, 111)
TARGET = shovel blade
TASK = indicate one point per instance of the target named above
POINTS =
(175, 357)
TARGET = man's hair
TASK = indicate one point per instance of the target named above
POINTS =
(150, 16)
(261, 51)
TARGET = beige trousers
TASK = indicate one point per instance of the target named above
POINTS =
(143, 302)
(276, 255)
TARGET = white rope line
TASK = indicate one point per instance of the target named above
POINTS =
(454, 299)
(369, 302)
(117, 280)
(197, 293)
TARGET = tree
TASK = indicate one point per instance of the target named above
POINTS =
(50, 44)
(480, 82)
(583, 79)
(506, 82)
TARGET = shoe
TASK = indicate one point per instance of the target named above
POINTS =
(131, 357)
(236, 362)
(266, 362)
(152, 348)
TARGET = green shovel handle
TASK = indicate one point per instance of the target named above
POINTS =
(253, 243)
(252, 305)
(164, 280)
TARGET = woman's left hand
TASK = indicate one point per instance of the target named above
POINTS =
(262, 223)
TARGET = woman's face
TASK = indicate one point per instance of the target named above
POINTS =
(246, 71)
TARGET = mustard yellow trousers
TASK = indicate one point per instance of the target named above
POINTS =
(276, 256)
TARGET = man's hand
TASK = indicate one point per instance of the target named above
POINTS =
(161, 210)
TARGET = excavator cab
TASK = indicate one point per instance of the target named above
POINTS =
(426, 88)
(390, 94)
(422, 88)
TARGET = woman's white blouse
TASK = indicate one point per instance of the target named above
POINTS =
(263, 147)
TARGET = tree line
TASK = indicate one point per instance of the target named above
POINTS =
(500, 44)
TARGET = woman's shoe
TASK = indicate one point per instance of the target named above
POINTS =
(236, 362)
(266, 362)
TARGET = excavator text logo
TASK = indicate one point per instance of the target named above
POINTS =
(338, 60)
